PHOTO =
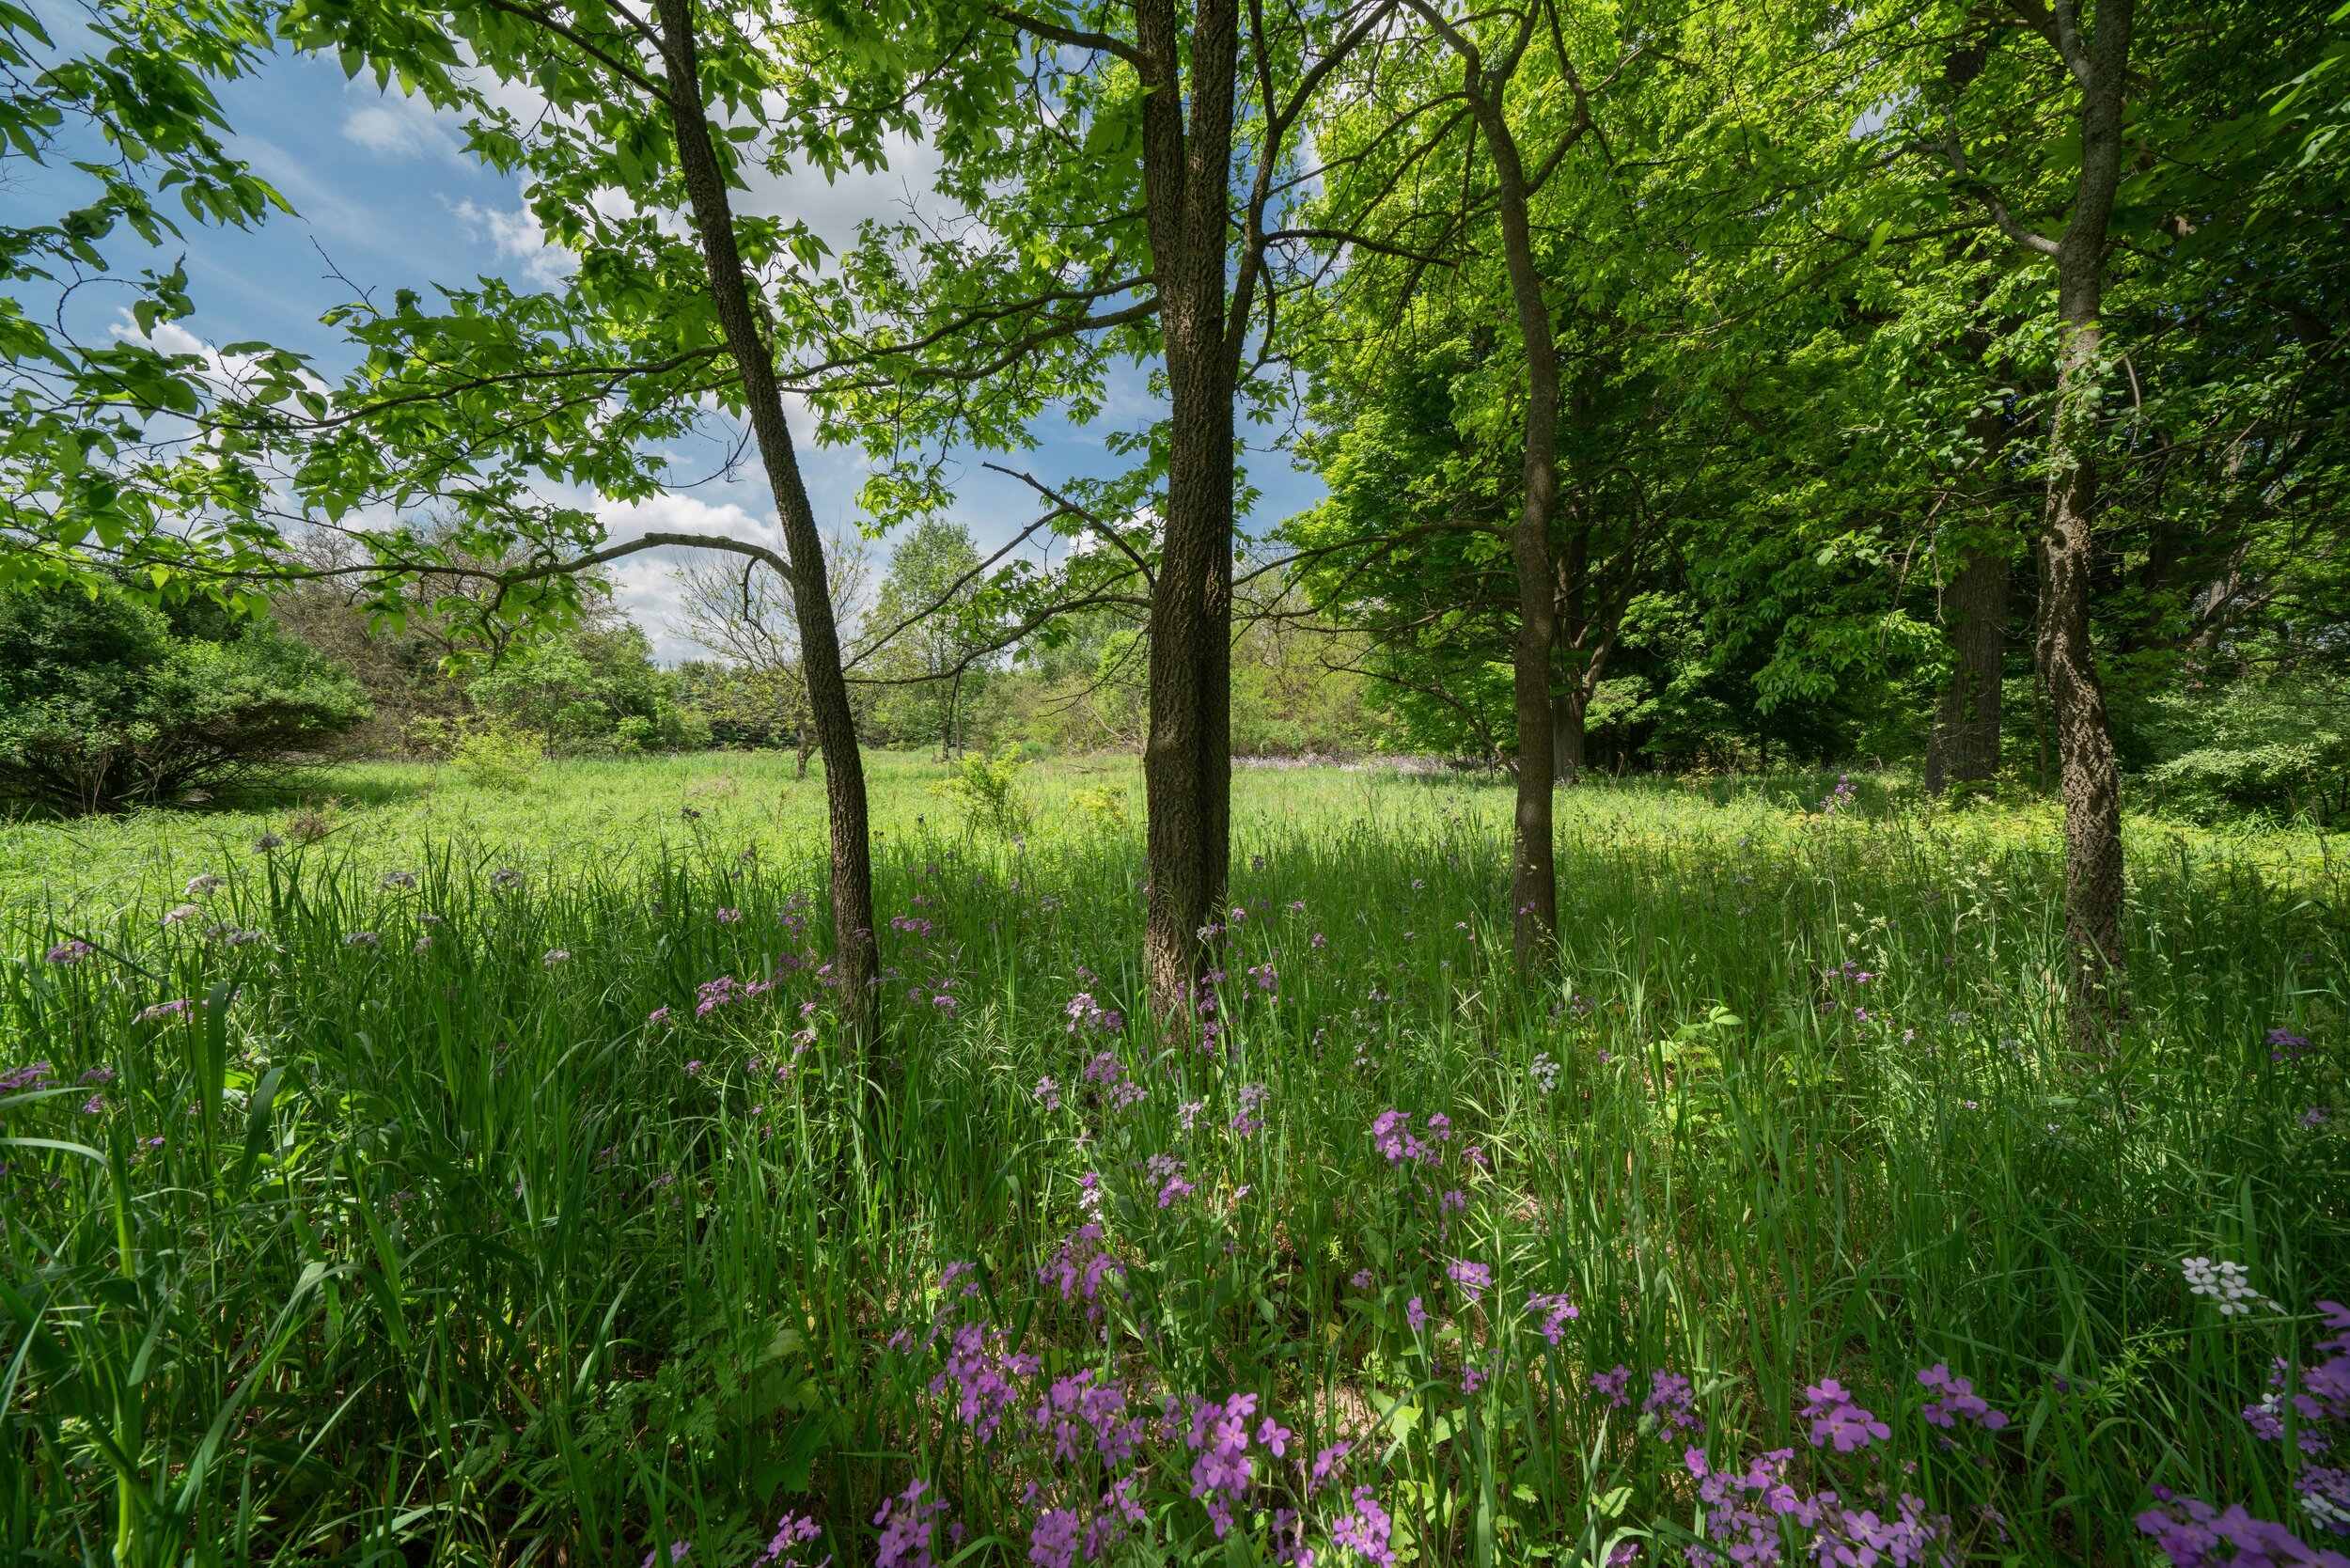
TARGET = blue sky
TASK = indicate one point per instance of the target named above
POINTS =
(386, 200)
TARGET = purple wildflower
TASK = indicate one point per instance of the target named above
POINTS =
(1053, 1543)
(1415, 1314)
(1222, 1472)
(1079, 1267)
(906, 1522)
(983, 1372)
(36, 1074)
(172, 1009)
(1555, 1312)
(1614, 1386)
(1365, 1531)
(2190, 1532)
(792, 1531)
(69, 952)
(1471, 1279)
(1672, 1402)
(1959, 1402)
(2285, 1045)
(1836, 1418)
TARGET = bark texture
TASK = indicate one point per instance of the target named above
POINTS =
(2085, 767)
(1567, 734)
(1965, 748)
(1187, 758)
(1534, 882)
(853, 965)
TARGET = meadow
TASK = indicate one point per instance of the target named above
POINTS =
(450, 1176)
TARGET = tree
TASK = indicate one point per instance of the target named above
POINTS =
(926, 628)
(474, 410)
(1141, 152)
(745, 617)
(590, 687)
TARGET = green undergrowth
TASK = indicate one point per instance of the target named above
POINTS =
(504, 1191)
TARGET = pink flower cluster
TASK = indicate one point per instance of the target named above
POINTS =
(1108, 1074)
(1959, 1400)
(2192, 1533)
(1555, 1312)
(792, 1531)
(1088, 1016)
(982, 1371)
(1837, 1418)
(1079, 1267)
(1743, 1516)
(725, 990)
(1472, 1279)
(1392, 1135)
(908, 1524)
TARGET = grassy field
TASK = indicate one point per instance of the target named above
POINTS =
(478, 1177)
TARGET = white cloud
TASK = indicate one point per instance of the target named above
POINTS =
(401, 128)
(834, 208)
(515, 235)
(645, 585)
(222, 370)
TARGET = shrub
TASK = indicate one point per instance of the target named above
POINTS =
(497, 756)
(2278, 749)
(1105, 807)
(103, 705)
(987, 790)
(593, 690)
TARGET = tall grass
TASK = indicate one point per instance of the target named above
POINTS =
(423, 1234)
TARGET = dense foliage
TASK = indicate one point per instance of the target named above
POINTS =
(105, 704)
(553, 1159)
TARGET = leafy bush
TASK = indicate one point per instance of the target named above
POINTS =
(987, 790)
(593, 690)
(104, 705)
(489, 752)
(497, 756)
(2280, 748)
(1105, 807)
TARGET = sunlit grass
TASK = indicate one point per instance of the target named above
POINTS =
(433, 1247)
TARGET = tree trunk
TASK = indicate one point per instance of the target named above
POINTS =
(1965, 748)
(1567, 735)
(854, 962)
(1187, 759)
(1533, 883)
(2085, 758)
(1576, 676)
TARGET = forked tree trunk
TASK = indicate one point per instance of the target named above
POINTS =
(1965, 748)
(2085, 758)
(1187, 759)
(853, 967)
